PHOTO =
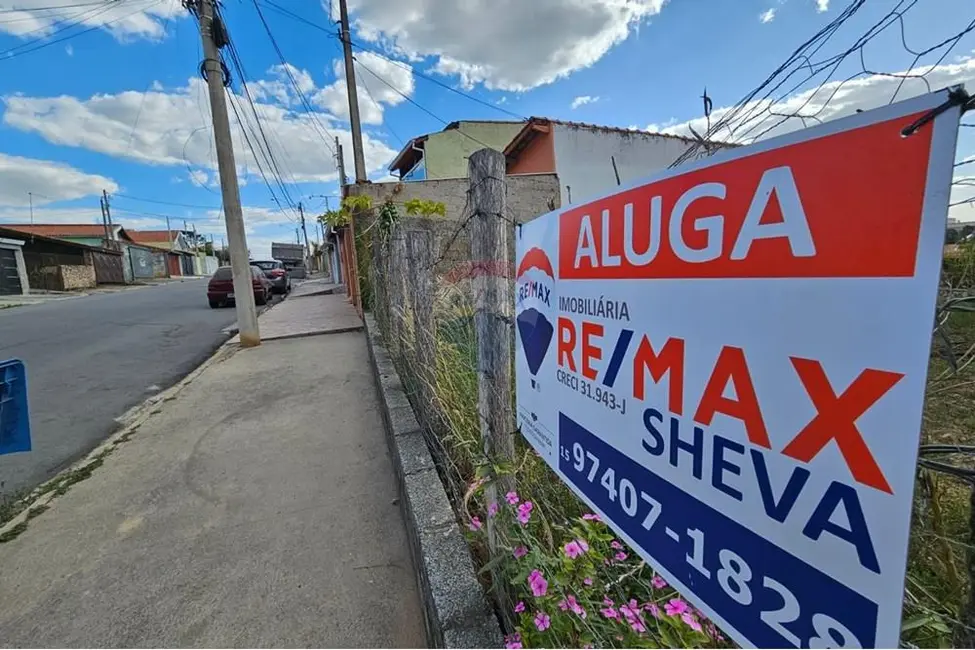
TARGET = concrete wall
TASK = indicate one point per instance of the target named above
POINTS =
(583, 158)
(446, 152)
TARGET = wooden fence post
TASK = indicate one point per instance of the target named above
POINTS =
(490, 235)
(419, 245)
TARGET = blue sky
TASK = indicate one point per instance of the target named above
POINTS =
(118, 103)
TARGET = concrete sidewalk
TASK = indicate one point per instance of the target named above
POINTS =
(256, 507)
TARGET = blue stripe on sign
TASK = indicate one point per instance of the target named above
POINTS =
(772, 598)
(622, 343)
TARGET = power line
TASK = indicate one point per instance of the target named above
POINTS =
(386, 125)
(172, 203)
(326, 139)
(286, 12)
(11, 54)
(50, 8)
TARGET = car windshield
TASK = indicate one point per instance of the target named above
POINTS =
(223, 273)
(265, 266)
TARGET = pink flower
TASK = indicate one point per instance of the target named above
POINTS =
(587, 582)
(520, 552)
(675, 607)
(520, 607)
(542, 621)
(637, 625)
(658, 582)
(607, 601)
(583, 545)
(493, 509)
(513, 641)
(512, 498)
(525, 512)
(653, 609)
(574, 549)
(475, 524)
(615, 544)
(590, 516)
(610, 612)
(691, 622)
(537, 583)
(620, 556)
(564, 606)
(575, 606)
(630, 610)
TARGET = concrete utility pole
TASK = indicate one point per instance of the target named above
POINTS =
(360, 161)
(301, 211)
(108, 214)
(340, 163)
(101, 204)
(233, 214)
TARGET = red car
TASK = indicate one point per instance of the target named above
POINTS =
(220, 290)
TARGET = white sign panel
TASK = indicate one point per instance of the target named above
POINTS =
(727, 362)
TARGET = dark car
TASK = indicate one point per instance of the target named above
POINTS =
(220, 290)
(276, 272)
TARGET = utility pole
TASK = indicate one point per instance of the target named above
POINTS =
(108, 214)
(101, 204)
(233, 214)
(297, 234)
(360, 161)
(30, 197)
(340, 163)
(301, 211)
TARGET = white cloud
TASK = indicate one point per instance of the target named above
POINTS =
(47, 181)
(174, 130)
(373, 94)
(506, 44)
(69, 50)
(767, 16)
(30, 19)
(583, 100)
(198, 177)
(764, 118)
(822, 5)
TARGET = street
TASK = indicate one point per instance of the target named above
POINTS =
(90, 359)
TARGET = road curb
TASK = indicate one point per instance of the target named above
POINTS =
(40, 497)
(456, 613)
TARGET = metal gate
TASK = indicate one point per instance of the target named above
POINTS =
(108, 268)
(9, 277)
(187, 262)
(141, 261)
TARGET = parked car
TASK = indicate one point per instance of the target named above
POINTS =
(278, 274)
(220, 289)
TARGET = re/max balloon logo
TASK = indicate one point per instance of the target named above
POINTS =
(534, 306)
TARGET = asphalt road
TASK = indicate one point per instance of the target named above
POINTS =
(92, 358)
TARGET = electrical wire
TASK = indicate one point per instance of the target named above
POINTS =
(50, 8)
(158, 202)
(301, 95)
(286, 12)
(12, 54)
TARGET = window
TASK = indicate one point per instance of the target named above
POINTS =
(224, 273)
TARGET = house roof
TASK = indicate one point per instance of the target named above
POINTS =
(9, 230)
(153, 236)
(61, 229)
(537, 125)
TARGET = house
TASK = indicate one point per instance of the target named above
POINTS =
(587, 158)
(58, 264)
(89, 234)
(13, 271)
(444, 154)
(176, 243)
(138, 262)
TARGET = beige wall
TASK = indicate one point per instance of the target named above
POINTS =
(446, 152)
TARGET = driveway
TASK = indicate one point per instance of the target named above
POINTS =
(90, 359)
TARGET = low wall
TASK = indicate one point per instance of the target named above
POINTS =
(76, 277)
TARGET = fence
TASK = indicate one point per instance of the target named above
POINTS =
(441, 294)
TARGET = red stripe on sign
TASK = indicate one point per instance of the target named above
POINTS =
(844, 205)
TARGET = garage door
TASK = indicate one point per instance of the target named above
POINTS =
(9, 278)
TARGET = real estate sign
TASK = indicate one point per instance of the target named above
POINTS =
(727, 362)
